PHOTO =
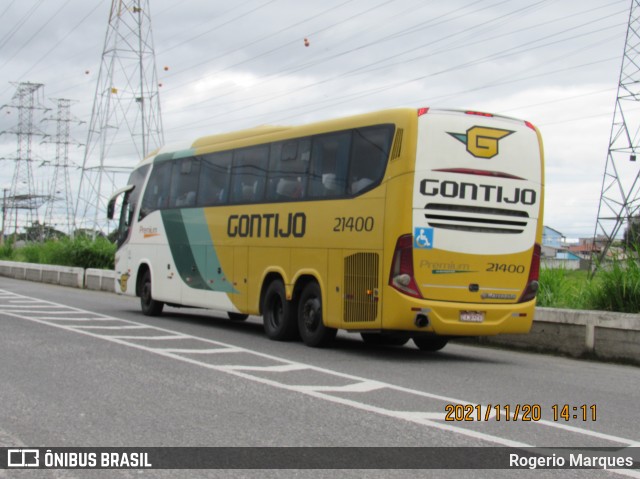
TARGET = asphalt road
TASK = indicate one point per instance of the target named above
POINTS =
(82, 368)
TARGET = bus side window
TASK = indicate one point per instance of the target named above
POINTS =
(329, 164)
(369, 157)
(289, 164)
(184, 184)
(156, 193)
(215, 170)
(248, 174)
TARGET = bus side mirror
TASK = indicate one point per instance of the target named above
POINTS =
(110, 208)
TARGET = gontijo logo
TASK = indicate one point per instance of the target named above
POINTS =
(482, 141)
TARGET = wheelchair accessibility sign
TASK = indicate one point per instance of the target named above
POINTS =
(423, 238)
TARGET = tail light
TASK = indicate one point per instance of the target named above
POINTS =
(534, 273)
(401, 277)
(479, 113)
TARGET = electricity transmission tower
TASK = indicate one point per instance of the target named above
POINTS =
(22, 196)
(125, 121)
(59, 209)
(620, 195)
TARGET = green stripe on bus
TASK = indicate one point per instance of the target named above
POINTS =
(193, 252)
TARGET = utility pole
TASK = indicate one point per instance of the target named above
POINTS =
(60, 206)
(620, 194)
(27, 100)
(125, 123)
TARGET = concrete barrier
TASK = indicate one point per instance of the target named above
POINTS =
(100, 280)
(63, 275)
(581, 334)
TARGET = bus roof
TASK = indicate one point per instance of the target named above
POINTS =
(231, 139)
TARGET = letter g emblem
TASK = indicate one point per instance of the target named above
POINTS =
(481, 141)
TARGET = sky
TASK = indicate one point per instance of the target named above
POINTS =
(224, 66)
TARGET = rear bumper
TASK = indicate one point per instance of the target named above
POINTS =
(444, 317)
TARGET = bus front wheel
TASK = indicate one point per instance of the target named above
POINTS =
(430, 343)
(278, 314)
(149, 306)
(312, 329)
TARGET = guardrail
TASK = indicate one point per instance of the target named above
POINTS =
(576, 333)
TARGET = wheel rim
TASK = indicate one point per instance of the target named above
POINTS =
(311, 315)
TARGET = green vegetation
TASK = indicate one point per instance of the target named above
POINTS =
(81, 251)
(616, 287)
(561, 288)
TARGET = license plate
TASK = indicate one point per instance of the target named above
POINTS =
(472, 316)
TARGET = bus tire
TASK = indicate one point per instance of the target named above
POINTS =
(430, 343)
(384, 339)
(278, 314)
(149, 306)
(312, 329)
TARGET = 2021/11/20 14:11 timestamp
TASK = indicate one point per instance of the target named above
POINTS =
(519, 412)
(567, 412)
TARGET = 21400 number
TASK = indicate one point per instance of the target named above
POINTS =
(505, 268)
(351, 223)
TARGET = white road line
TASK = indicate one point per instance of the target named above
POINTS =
(198, 351)
(285, 368)
(360, 387)
(58, 318)
(146, 338)
(112, 327)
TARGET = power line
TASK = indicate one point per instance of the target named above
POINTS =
(18, 25)
(36, 33)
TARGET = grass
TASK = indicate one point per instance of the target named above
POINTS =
(81, 251)
(616, 287)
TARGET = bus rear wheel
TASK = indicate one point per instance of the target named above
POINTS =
(312, 329)
(430, 343)
(149, 306)
(278, 314)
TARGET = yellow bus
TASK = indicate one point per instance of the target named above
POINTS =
(419, 224)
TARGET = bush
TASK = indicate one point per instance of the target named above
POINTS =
(617, 287)
(7, 251)
(560, 288)
(81, 252)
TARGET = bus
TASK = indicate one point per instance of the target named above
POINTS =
(405, 224)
